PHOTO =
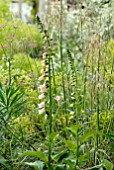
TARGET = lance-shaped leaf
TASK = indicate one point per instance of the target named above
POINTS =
(37, 154)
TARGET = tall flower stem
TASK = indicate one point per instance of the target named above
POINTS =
(62, 59)
(49, 59)
(50, 115)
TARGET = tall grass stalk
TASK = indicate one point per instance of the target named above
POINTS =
(98, 97)
(9, 61)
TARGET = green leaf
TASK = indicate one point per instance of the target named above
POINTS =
(2, 97)
(71, 145)
(107, 164)
(20, 103)
(95, 167)
(16, 98)
(37, 165)
(13, 91)
(85, 157)
(4, 163)
(112, 145)
(73, 130)
(60, 167)
(109, 136)
(52, 136)
(87, 136)
(0, 85)
(60, 156)
(70, 160)
(2, 104)
(7, 91)
(37, 154)
(3, 110)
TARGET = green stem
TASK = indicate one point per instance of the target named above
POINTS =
(50, 111)
(50, 91)
(9, 61)
(98, 95)
(62, 60)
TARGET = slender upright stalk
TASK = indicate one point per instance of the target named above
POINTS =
(50, 111)
(62, 59)
(9, 61)
(49, 59)
(98, 96)
(50, 101)
(53, 72)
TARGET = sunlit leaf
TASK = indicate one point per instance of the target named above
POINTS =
(71, 145)
(37, 154)
(52, 136)
(95, 167)
(108, 165)
(2, 97)
(37, 165)
(87, 136)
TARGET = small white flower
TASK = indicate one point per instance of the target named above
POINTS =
(43, 63)
(42, 72)
(41, 96)
(46, 69)
(57, 98)
(41, 105)
(41, 111)
(41, 78)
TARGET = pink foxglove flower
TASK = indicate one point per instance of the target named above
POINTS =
(43, 88)
(41, 78)
(10, 36)
(46, 69)
(21, 83)
(41, 105)
(41, 96)
(43, 63)
(5, 46)
(41, 111)
(42, 72)
(33, 45)
(57, 98)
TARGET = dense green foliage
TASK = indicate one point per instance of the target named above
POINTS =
(57, 89)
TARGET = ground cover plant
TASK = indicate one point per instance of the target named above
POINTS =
(57, 88)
